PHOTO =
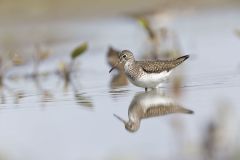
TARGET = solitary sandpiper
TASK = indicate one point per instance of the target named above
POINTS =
(147, 74)
(150, 104)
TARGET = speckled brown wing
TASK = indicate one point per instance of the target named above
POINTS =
(164, 110)
(160, 66)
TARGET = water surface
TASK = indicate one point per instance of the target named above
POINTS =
(55, 120)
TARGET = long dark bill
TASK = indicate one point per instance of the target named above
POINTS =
(119, 118)
(114, 67)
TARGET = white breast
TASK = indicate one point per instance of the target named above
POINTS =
(155, 100)
(126, 66)
(152, 80)
(148, 80)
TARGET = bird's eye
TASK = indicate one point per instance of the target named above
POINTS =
(124, 56)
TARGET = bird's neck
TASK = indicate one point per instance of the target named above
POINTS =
(130, 63)
(134, 117)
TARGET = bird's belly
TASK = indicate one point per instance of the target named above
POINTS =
(151, 80)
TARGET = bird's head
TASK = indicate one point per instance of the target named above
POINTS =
(124, 57)
(129, 126)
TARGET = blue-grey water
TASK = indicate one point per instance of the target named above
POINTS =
(53, 120)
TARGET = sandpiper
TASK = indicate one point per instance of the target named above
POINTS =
(147, 74)
(150, 104)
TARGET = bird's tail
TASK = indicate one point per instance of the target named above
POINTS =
(184, 110)
(182, 59)
(178, 61)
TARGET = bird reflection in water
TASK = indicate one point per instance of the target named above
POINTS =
(150, 104)
(68, 76)
(120, 79)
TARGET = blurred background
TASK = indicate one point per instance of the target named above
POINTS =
(58, 101)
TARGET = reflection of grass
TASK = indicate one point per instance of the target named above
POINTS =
(83, 100)
(66, 69)
(4, 87)
(64, 73)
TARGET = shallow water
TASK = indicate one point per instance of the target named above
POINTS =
(53, 120)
